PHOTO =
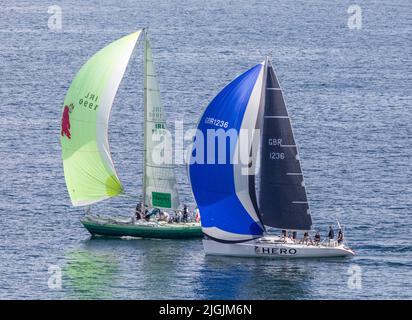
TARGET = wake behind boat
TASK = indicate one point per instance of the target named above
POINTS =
(88, 166)
(234, 217)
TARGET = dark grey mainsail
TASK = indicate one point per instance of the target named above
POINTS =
(282, 195)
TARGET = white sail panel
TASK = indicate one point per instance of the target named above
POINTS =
(244, 177)
(160, 186)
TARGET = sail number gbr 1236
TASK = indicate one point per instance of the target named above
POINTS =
(217, 122)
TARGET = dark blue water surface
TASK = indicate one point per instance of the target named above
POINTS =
(349, 95)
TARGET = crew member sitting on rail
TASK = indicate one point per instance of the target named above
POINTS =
(185, 214)
(317, 238)
(177, 216)
(163, 216)
(150, 213)
(197, 216)
(306, 238)
(138, 212)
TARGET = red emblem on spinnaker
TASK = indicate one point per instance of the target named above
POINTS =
(66, 121)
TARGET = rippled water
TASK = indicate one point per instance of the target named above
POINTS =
(348, 92)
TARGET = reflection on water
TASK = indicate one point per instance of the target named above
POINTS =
(339, 89)
(243, 278)
(160, 265)
(144, 268)
(280, 279)
(89, 274)
(165, 269)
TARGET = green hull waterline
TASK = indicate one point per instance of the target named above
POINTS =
(166, 231)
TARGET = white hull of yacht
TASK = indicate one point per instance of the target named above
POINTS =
(273, 247)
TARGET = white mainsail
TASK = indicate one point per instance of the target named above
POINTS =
(159, 180)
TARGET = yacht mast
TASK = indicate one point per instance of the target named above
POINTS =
(144, 120)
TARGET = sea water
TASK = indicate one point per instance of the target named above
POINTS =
(347, 85)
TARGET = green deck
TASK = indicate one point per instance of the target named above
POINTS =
(166, 231)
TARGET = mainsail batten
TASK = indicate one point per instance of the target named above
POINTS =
(88, 167)
(159, 180)
(282, 195)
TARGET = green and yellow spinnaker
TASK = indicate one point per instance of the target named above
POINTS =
(88, 166)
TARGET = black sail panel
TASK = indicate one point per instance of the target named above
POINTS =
(282, 195)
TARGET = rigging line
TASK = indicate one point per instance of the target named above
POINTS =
(130, 196)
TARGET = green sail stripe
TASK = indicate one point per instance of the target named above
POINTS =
(88, 167)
